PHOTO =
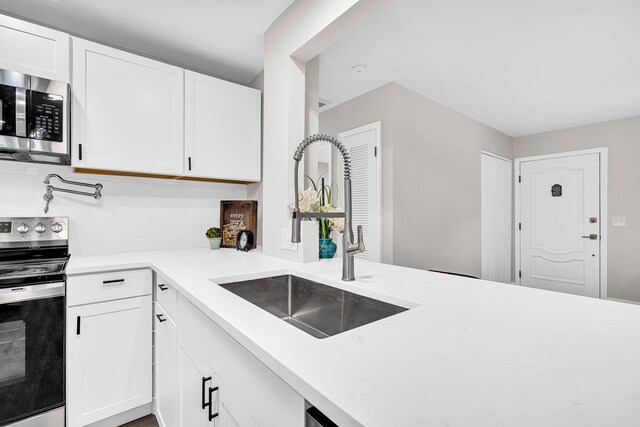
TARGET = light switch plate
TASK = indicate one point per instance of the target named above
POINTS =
(619, 221)
(285, 241)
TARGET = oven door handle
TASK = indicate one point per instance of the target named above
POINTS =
(21, 112)
(33, 292)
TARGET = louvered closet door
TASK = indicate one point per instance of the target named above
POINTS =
(364, 148)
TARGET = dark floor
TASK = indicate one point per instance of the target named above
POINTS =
(148, 421)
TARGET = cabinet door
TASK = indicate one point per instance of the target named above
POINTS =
(194, 379)
(222, 129)
(127, 113)
(32, 49)
(108, 359)
(166, 368)
(230, 412)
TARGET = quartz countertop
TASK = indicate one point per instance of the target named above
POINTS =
(467, 353)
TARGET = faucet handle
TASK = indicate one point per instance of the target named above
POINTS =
(361, 247)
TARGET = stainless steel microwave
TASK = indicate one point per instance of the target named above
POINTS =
(34, 119)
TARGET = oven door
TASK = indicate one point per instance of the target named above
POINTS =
(32, 325)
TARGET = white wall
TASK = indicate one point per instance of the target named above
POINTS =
(303, 31)
(254, 191)
(133, 214)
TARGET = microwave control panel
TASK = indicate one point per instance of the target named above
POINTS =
(45, 116)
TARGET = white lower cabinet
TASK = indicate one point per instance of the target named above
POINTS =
(109, 341)
(247, 392)
(204, 378)
(166, 368)
(204, 400)
(230, 412)
(109, 350)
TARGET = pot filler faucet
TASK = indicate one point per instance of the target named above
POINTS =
(349, 248)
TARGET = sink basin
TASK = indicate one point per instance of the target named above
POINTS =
(319, 310)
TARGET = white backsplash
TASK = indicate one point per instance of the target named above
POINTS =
(133, 214)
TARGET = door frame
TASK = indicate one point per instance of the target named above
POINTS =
(377, 126)
(511, 214)
(604, 218)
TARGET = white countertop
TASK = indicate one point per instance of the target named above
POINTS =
(470, 352)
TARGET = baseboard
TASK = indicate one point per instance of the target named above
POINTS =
(623, 300)
(124, 417)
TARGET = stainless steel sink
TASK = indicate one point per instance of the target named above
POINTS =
(319, 310)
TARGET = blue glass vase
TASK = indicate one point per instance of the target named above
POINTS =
(327, 248)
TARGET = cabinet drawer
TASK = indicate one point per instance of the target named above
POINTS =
(101, 287)
(166, 295)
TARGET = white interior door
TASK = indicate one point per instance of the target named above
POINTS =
(560, 224)
(364, 149)
(496, 218)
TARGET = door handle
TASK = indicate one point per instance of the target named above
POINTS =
(591, 237)
(161, 318)
(211, 414)
(204, 382)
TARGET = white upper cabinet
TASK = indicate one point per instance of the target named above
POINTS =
(32, 49)
(222, 129)
(127, 112)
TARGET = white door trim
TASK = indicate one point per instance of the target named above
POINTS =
(604, 218)
(377, 126)
(497, 156)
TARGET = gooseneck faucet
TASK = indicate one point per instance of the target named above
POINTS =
(349, 248)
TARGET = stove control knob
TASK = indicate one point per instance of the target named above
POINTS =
(40, 228)
(23, 228)
(56, 228)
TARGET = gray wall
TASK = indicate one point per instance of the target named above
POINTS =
(430, 176)
(622, 137)
(376, 105)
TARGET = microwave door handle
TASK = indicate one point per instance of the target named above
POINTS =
(21, 112)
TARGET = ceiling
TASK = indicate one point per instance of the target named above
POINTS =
(220, 37)
(519, 66)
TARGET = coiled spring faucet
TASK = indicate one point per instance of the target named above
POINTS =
(349, 248)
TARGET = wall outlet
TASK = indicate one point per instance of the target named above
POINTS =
(619, 221)
(285, 241)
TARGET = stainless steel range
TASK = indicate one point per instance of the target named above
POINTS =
(33, 257)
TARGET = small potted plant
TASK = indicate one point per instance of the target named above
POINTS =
(215, 237)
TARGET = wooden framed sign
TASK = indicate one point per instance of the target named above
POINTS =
(235, 216)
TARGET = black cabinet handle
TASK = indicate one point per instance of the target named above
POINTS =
(80, 151)
(160, 318)
(162, 287)
(204, 381)
(112, 282)
(211, 414)
(78, 325)
(189, 163)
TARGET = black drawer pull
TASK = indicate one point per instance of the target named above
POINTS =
(204, 381)
(78, 325)
(161, 318)
(162, 287)
(112, 282)
(211, 414)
